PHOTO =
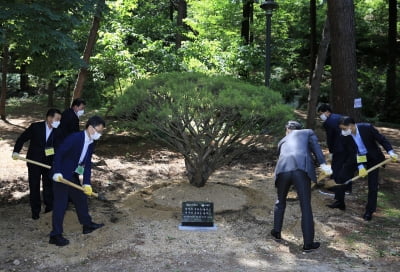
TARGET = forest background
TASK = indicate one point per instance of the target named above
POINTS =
(45, 44)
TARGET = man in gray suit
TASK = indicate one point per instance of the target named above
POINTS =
(296, 166)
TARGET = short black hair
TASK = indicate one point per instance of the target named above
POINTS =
(346, 120)
(52, 112)
(78, 102)
(95, 121)
(293, 125)
(324, 108)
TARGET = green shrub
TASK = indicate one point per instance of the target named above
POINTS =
(208, 119)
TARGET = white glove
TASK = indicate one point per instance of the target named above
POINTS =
(326, 169)
(57, 177)
(15, 155)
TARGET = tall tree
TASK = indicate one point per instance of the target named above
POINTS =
(4, 82)
(317, 75)
(343, 56)
(37, 35)
(313, 37)
(247, 21)
(391, 98)
(182, 14)
(91, 41)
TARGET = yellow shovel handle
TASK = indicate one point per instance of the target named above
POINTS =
(65, 181)
(34, 162)
(370, 170)
(76, 186)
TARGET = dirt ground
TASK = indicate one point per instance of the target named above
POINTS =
(145, 186)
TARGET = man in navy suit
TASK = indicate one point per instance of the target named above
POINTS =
(74, 158)
(44, 139)
(296, 166)
(337, 153)
(70, 117)
(361, 140)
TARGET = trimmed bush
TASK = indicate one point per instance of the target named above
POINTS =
(208, 119)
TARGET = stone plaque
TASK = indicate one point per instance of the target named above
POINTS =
(197, 213)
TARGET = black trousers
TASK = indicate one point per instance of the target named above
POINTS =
(80, 200)
(373, 186)
(345, 173)
(302, 183)
(338, 160)
(35, 174)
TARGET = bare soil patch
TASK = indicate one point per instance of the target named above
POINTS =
(145, 184)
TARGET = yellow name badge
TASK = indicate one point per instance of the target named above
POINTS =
(362, 159)
(49, 151)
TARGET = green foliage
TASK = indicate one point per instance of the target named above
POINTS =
(137, 40)
(208, 119)
(371, 87)
(39, 33)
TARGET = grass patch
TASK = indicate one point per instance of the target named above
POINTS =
(388, 202)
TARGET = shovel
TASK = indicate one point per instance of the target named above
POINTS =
(62, 180)
(316, 184)
(332, 185)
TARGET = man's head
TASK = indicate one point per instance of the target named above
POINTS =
(347, 125)
(324, 111)
(95, 127)
(53, 117)
(78, 105)
(292, 125)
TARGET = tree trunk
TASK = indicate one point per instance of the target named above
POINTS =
(198, 173)
(317, 76)
(24, 79)
(391, 101)
(4, 82)
(343, 57)
(182, 14)
(67, 95)
(88, 50)
(50, 93)
(313, 37)
(247, 21)
(171, 10)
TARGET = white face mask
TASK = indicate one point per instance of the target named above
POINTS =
(346, 132)
(323, 117)
(55, 124)
(80, 113)
(96, 136)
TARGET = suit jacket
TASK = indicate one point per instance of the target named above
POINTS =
(68, 154)
(370, 137)
(295, 151)
(36, 134)
(333, 133)
(69, 122)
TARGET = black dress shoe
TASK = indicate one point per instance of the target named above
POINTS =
(367, 216)
(48, 209)
(311, 247)
(276, 234)
(337, 205)
(91, 227)
(58, 240)
(35, 216)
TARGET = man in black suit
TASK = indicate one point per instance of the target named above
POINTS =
(44, 139)
(70, 117)
(296, 166)
(337, 154)
(361, 141)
